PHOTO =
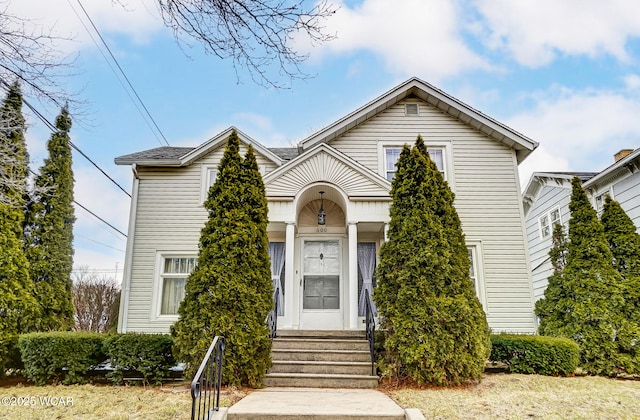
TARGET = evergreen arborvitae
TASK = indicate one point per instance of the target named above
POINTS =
(18, 308)
(587, 304)
(49, 231)
(556, 288)
(230, 291)
(436, 329)
(624, 243)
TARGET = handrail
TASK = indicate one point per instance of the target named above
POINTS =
(370, 321)
(272, 318)
(205, 386)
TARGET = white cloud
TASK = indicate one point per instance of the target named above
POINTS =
(578, 130)
(414, 37)
(535, 32)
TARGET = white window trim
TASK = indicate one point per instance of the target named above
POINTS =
(547, 215)
(476, 250)
(204, 181)
(156, 298)
(602, 194)
(444, 145)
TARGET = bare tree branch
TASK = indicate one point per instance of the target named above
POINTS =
(28, 54)
(96, 300)
(256, 35)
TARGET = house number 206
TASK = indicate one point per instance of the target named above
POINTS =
(321, 229)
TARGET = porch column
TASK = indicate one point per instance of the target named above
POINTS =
(290, 318)
(353, 275)
(386, 232)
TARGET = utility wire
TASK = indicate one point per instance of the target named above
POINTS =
(96, 242)
(54, 129)
(120, 68)
(93, 214)
(100, 218)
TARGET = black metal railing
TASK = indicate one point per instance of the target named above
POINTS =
(370, 321)
(205, 387)
(272, 318)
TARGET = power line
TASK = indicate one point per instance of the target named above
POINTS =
(96, 242)
(100, 218)
(94, 215)
(54, 129)
(119, 68)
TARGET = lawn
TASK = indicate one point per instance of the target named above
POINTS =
(528, 396)
(497, 396)
(101, 402)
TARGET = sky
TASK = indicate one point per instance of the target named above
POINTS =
(563, 73)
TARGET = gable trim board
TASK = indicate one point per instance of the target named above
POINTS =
(343, 160)
(436, 98)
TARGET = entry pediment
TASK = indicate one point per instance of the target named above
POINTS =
(325, 164)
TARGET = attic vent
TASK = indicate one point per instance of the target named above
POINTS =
(410, 109)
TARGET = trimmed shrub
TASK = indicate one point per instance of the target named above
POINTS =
(536, 354)
(147, 354)
(65, 356)
(9, 355)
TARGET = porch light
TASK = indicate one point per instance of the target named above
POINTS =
(322, 215)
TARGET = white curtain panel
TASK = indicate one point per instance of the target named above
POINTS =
(367, 266)
(276, 252)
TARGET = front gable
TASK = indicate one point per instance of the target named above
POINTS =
(325, 164)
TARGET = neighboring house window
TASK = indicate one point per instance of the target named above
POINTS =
(599, 201)
(392, 154)
(475, 272)
(174, 272)
(209, 176)
(548, 221)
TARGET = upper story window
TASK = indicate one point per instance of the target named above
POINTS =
(547, 221)
(392, 153)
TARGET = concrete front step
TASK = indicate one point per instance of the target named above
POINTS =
(320, 380)
(335, 334)
(321, 356)
(348, 368)
(320, 344)
(317, 404)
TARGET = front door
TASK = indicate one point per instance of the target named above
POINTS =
(321, 285)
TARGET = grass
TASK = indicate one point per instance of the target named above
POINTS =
(528, 396)
(102, 402)
(497, 396)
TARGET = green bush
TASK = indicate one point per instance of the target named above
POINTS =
(9, 354)
(65, 356)
(536, 354)
(147, 354)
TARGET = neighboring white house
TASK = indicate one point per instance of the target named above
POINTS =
(323, 269)
(546, 203)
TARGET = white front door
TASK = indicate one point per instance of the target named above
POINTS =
(321, 285)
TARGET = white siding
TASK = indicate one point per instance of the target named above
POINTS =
(627, 193)
(487, 200)
(169, 217)
(549, 197)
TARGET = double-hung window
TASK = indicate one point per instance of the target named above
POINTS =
(476, 271)
(174, 272)
(392, 154)
(548, 221)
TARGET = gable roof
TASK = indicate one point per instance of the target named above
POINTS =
(440, 100)
(630, 163)
(182, 156)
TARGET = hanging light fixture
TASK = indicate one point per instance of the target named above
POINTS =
(322, 215)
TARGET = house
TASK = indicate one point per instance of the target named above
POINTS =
(345, 169)
(546, 203)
